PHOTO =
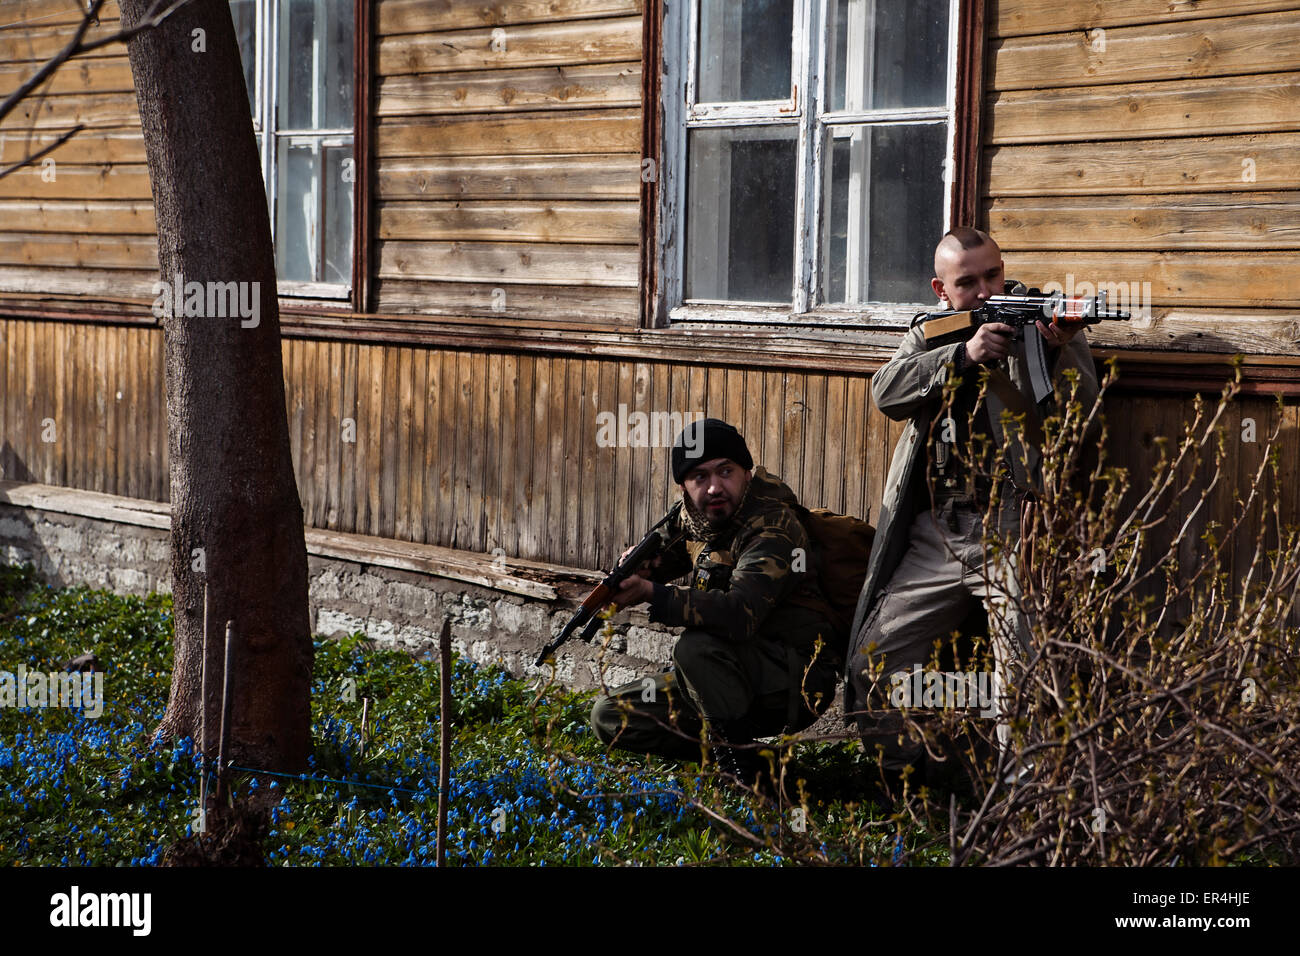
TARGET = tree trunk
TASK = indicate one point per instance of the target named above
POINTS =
(237, 522)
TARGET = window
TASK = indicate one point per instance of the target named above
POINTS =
(811, 153)
(297, 57)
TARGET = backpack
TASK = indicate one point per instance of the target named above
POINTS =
(844, 546)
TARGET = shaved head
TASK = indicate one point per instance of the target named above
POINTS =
(967, 268)
(954, 241)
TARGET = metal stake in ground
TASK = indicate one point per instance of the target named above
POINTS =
(225, 710)
(444, 722)
(365, 714)
(203, 721)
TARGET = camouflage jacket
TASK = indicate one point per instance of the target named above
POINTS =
(754, 577)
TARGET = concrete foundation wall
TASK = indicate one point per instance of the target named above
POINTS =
(393, 607)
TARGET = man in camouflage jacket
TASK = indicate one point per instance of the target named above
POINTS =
(928, 562)
(755, 658)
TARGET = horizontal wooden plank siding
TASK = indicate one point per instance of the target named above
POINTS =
(507, 160)
(1228, 46)
(552, 264)
(422, 16)
(79, 222)
(499, 177)
(1152, 146)
(1263, 103)
(616, 40)
(1145, 167)
(523, 134)
(558, 222)
(496, 450)
(1269, 220)
(573, 87)
(1027, 17)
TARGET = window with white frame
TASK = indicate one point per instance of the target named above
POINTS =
(812, 149)
(297, 57)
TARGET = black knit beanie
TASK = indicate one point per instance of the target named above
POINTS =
(706, 440)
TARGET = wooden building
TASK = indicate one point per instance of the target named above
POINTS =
(499, 220)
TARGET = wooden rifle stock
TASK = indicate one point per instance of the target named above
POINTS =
(588, 612)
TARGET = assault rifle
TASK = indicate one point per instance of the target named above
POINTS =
(1022, 311)
(589, 613)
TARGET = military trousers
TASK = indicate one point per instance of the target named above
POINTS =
(737, 690)
(944, 570)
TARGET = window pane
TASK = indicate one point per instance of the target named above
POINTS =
(745, 50)
(740, 214)
(338, 215)
(883, 212)
(315, 87)
(244, 13)
(887, 54)
(313, 236)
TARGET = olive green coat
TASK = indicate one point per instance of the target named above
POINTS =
(910, 387)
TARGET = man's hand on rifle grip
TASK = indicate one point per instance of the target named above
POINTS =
(638, 587)
(991, 342)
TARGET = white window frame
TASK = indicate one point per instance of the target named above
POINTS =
(681, 113)
(267, 40)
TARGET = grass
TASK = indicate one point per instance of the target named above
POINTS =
(530, 785)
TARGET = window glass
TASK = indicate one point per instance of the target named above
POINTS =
(315, 90)
(244, 13)
(883, 211)
(306, 142)
(887, 54)
(741, 214)
(745, 50)
(313, 236)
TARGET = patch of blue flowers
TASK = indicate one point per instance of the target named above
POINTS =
(529, 784)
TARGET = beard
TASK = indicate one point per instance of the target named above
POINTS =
(718, 511)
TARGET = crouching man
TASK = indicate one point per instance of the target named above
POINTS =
(755, 659)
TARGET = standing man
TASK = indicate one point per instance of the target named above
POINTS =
(928, 565)
(755, 659)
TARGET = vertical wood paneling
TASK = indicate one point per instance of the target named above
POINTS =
(291, 362)
(160, 450)
(135, 384)
(509, 476)
(400, 463)
(574, 415)
(308, 488)
(58, 367)
(834, 461)
(774, 384)
(541, 446)
(814, 439)
(326, 382)
(99, 404)
(525, 538)
(656, 490)
(362, 459)
(554, 533)
(621, 379)
(734, 398)
(441, 414)
(492, 469)
(348, 450)
(597, 535)
(482, 429)
(715, 405)
(752, 425)
(6, 428)
(480, 451)
(457, 432)
(419, 442)
(392, 441)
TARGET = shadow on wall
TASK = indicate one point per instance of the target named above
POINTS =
(19, 541)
